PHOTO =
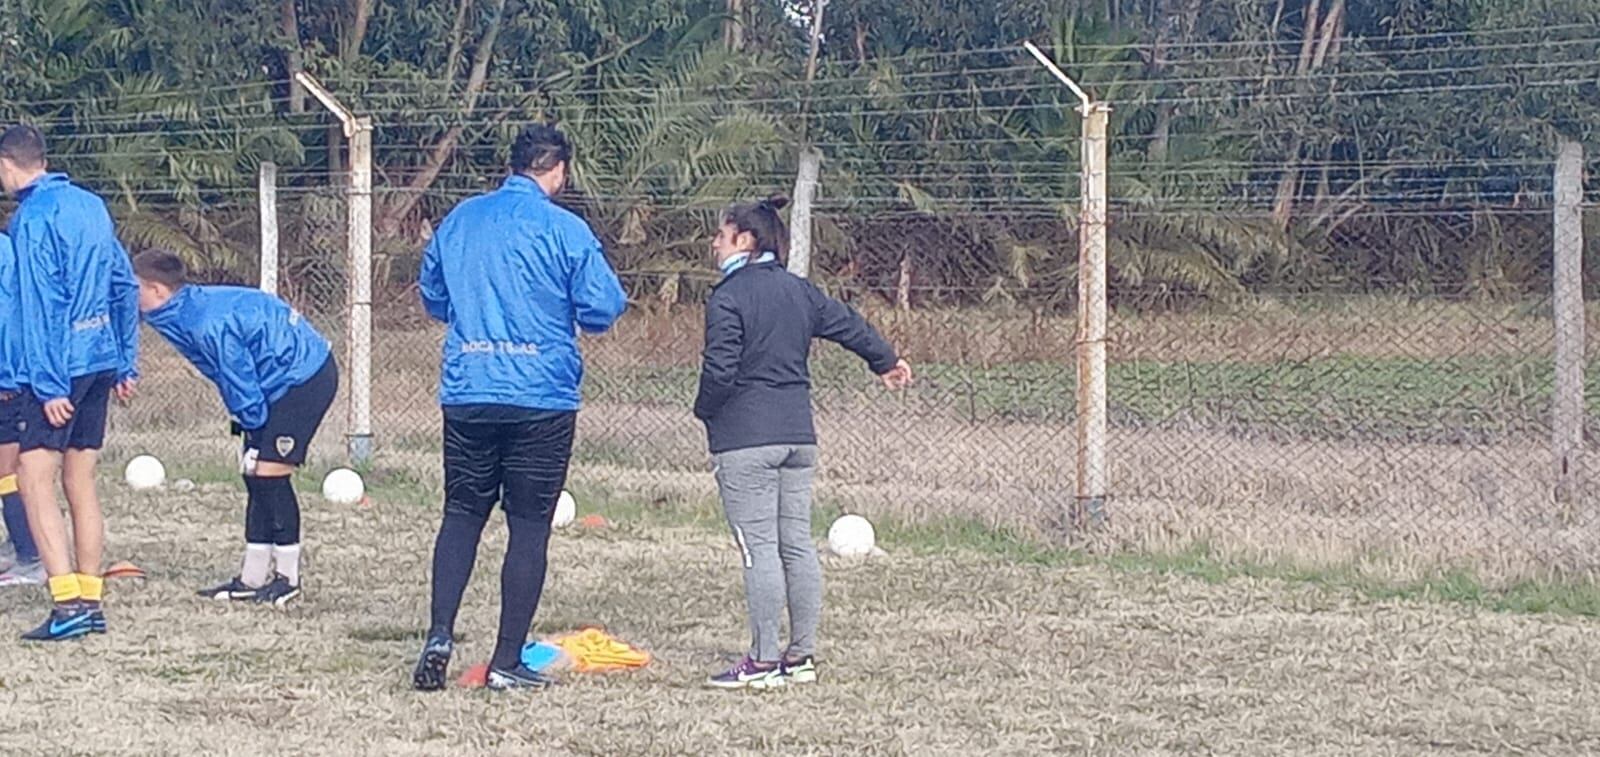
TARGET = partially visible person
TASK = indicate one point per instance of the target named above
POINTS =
(19, 556)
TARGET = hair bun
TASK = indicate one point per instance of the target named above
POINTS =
(776, 202)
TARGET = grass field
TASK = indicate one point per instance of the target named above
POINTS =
(1401, 437)
(959, 642)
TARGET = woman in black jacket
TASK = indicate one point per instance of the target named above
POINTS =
(755, 399)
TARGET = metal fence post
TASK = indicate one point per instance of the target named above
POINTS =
(358, 204)
(1567, 408)
(267, 196)
(1092, 476)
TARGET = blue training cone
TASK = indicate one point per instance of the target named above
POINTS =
(539, 655)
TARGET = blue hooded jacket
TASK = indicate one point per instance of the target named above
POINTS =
(252, 345)
(78, 303)
(512, 274)
(8, 315)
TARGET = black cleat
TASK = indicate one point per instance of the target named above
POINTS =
(234, 590)
(432, 666)
(519, 677)
(278, 593)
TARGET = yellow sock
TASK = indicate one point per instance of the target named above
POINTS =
(65, 588)
(90, 586)
(8, 485)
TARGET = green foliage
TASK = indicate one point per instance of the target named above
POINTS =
(1239, 160)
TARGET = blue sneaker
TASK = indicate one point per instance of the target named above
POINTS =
(432, 666)
(97, 617)
(749, 674)
(66, 621)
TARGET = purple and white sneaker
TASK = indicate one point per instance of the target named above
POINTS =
(800, 670)
(749, 674)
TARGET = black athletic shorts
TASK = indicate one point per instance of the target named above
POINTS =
(514, 456)
(292, 421)
(91, 400)
(10, 413)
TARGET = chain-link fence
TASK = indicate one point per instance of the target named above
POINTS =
(1341, 355)
(1355, 423)
(1333, 426)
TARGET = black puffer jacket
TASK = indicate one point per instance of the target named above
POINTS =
(755, 385)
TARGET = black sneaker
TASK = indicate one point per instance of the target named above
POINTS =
(519, 677)
(433, 665)
(234, 590)
(71, 620)
(278, 593)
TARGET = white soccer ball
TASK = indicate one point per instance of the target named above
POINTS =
(566, 509)
(343, 486)
(852, 536)
(144, 472)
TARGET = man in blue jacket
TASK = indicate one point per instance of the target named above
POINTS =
(19, 557)
(277, 378)
(514, 276)
(78, 325)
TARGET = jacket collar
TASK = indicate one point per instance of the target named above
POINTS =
(171, 311)
(517, 182)
(733, 264)
(43, 182)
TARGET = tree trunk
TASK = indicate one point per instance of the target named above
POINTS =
(335, 149)
(1330, 28)
(1272, 33)
(356, 35)
(733, 26)
(1178, 26)
(452, 59)
(903, 290)
(1312, 56)
(1157, 151)
(290, 24)
(1309, 41)
(861, 42)
(818, 7)
(396, 212)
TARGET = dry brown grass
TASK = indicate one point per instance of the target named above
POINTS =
(1261, 329)
(1404, 508)
(956, 654)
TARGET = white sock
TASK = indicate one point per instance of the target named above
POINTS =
(288, 560)
(257, 568)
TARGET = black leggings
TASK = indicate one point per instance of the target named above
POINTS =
(522, 465)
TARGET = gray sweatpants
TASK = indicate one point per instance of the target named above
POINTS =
(766, 494)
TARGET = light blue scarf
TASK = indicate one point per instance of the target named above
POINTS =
(743, 259)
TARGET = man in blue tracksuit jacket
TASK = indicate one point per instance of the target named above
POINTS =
(277, 378)
(78, 326)
(514, 276)
(19, 564)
